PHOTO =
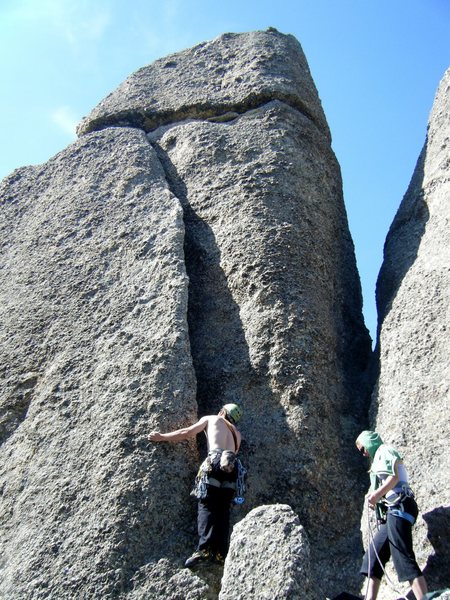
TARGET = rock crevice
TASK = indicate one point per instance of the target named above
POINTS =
(148, 120)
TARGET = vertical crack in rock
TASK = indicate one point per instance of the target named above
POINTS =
(218, 346)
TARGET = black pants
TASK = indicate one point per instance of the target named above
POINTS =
(213, 520)
(394, 538)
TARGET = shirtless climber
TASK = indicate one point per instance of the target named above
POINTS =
(216, 480)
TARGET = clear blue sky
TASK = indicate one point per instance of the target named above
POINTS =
(376, 64)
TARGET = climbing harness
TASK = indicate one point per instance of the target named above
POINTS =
(204, 478)
(403, 515)
(221, 484)
(394, 504)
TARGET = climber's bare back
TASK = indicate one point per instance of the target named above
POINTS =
(219, 435)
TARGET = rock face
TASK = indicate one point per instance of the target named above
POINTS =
(190, 249)
(218, 79)
(269, 557)
(94, 346)
(411, 401)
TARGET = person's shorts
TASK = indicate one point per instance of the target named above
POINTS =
(394, 538)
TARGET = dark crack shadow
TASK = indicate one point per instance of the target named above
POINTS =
(403, 241)
(437, 569)
(218, 346)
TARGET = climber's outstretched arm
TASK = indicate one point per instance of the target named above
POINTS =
(179, 434)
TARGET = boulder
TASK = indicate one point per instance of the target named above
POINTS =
(269, 557)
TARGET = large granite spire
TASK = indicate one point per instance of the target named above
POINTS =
(190, 248)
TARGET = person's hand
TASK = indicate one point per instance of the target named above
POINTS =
(155, 436)
(372, 499)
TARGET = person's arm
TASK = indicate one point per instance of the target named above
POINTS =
(389, 483)
(238, 440)
(179, 434)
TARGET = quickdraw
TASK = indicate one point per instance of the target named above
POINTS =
(240, 482)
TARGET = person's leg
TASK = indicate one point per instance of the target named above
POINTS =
(221, 535)
(373, 588)
(377, 550)
(419, 587)
(205, 523)
(205, 530)
(401, 545)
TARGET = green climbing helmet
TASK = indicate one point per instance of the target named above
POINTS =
(234, 411)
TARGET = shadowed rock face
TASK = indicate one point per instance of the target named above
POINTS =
(411, 402)
(190, 249)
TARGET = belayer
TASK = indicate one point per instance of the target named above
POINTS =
(219, 479)
(393, 500)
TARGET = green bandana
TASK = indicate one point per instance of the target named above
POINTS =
(371, 441)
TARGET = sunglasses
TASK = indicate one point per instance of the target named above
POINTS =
(362, 449)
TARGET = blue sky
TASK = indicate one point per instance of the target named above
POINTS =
(376, 65)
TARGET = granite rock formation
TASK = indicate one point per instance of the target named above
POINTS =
(411, 401)
(189, 249)
(94, 298)
(219, 80)
(271, 548)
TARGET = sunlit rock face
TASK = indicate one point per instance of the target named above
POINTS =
(190, 249)
(220, 79)
(411, 401)
(271, 547)
(95, 350)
